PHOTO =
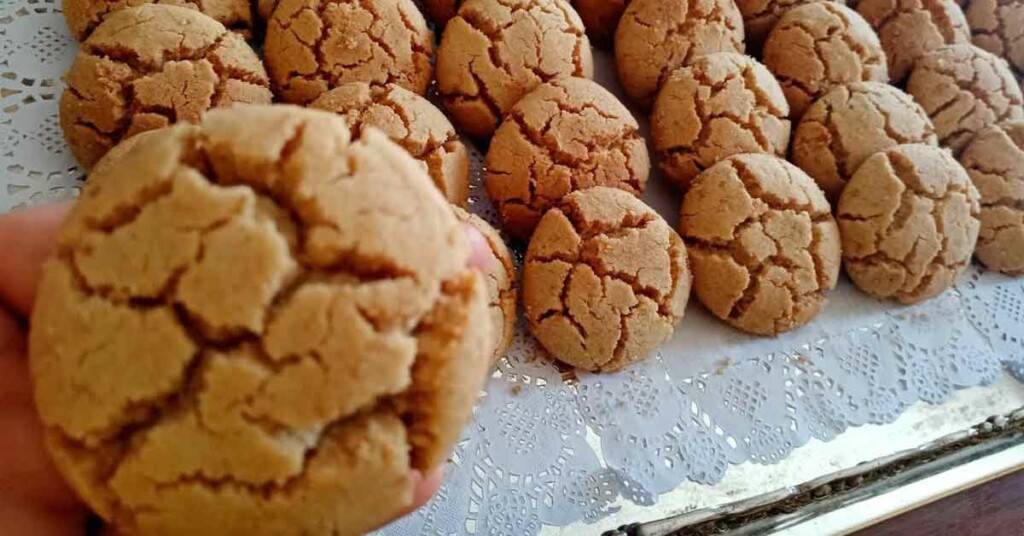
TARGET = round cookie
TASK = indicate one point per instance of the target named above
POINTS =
(995, 162)
(763, 245)
(849, 124)
(909, 223)
(605, 281)
(495, 51)
(760, 15)
(200, 369)
(908, 29)
(601, 17)
(501, 284)
(818, 46)
(566, 135)
(964, 89)
(82, 16)
(998, 27)
(654, 37)
(722, 104)
(411, 121)
(315, 45)
(138, 71)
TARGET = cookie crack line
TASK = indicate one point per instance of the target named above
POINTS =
(754, 190)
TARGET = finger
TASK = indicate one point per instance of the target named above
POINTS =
(481, 257)
(423, 489)
(28, 237)
(33, 520)
(14, 384)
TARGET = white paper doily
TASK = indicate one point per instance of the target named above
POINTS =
(549, 450)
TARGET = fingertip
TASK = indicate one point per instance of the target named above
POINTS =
(480, 256)
(427, 485)
(28, 237)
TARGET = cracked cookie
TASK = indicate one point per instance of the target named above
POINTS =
(964, 89)
(908, 29)
(316, 45)
(760, 15)
(501, 284)
(998, 27)
(83, 16)
(763, 245)
(257, 326)
(909, 223)
(566, 135)
(995, 162)
(655, 37)
(411, 121)
(605, 280)
(495, 51)
(818, 46)
(849, 124)
(149, 66)
(722, 104)
(600, 17)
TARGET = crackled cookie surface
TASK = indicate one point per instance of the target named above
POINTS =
(995, 162)
(83, 16)
(149, 66)
(998, 27)
(818, 46)
(496, 51)
(605, 281)
(760, 15)
(908, 29)
(601, 17)
(654, 37)
(411, 121)
(964, 89)
(315, 45)
(849, 124)
(909, 222)
(566, 135)
(723, 104)
(256, 326)
(763, 245)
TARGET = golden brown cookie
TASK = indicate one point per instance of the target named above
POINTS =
(723, 104)
(501, 284)
(998, 27)
(849, 124)
(149, 66)
(601, 17)
(964, 89)
(995, 162)
(315, 45)
(83, 16)
(760, 15)
(496, 51)
(201, 369)
(411, 121)
(566, 135)
(909, 223)
(762, 243)
(654, 37)
(441, 11)
(818, 46)
(908, 29)
(605, 281)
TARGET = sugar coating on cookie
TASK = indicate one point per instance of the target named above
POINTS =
(998, 27)
(149, 66)
(964, 89)
(723, 104)
(566, 135)
(411, 121)
(818, 46)
(908, 29)
(496, 51)
(605, 280)
(995, 162)
(909, 223)
(601, 17)
(849, 124)
(760, 15)
(257, 326)
(315, 45)
(763, 245)
(654, 37)
(83, 16)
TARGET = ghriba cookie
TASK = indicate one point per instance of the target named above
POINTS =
(818, 46)
(723, 104)
(995, 162)
(908, 29)
(964, 89)
(605, 281)
(315, 45)
(496, 51)
(601, 17)
(566, 135)
(849, 124)
(83, 16)
(762, 243)
(200, 369)
(760, 15)
(654, 37)
(998, 27)
(139, 71)
(411, 121)
(909, 222)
